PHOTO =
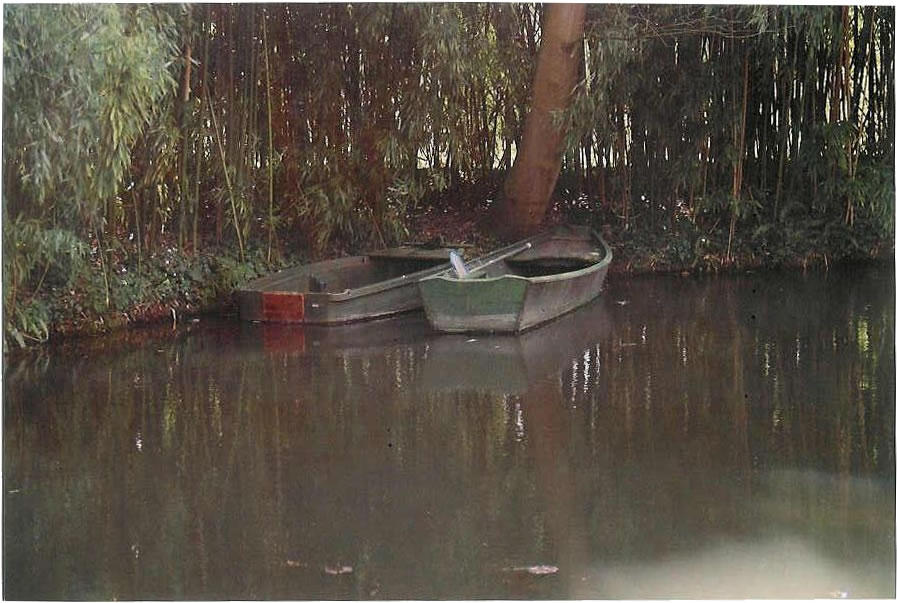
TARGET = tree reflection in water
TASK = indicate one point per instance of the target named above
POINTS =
(642, 448)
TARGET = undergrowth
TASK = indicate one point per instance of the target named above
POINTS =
(168, 285)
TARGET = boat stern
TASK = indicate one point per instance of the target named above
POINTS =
(272, 306)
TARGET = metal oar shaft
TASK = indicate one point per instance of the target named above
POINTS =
(501, 257)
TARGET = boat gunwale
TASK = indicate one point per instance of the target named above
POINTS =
(348, 293)
(394, 283)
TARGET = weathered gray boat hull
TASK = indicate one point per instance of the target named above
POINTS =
(356, 288)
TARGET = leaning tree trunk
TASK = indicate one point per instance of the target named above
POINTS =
(528, 189)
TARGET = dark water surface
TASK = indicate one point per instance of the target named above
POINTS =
(720, 437)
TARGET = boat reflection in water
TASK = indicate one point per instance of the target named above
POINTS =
(512, 364)
(370, 338)
(497, 363)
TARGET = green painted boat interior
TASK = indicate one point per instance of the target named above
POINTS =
(548, 259)
(546, 266)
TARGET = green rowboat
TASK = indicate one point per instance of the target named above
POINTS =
(520, 286)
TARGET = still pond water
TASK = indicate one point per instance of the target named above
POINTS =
(680, 437)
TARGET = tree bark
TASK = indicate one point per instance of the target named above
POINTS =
(528, 189)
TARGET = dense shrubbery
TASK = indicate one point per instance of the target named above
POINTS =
(702, 136)
(168, 285)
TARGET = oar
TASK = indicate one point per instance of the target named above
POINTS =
(463, 272)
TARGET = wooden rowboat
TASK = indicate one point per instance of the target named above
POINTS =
(520, 286)
(343, 290)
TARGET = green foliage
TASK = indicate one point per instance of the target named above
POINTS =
(29, 323)
(29, 246)
(81, 84)
(693, 129)
(386, 91)
(35, 256)
(756, 115)
(872, 189)
(84, 81)
(150, 290)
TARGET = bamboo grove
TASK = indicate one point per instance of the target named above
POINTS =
(778, 118)
(133, 129)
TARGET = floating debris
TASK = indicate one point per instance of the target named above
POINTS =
(622, 302)
(535, 570)
(838, 594)
(336, 569)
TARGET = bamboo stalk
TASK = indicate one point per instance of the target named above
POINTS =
(739, 162)
(229, 33)
(134, 197)
(784, 127)
(200, 137)
(182, 160)
(102, 254)
(270, 139)
(249, 122)
(230, 189)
